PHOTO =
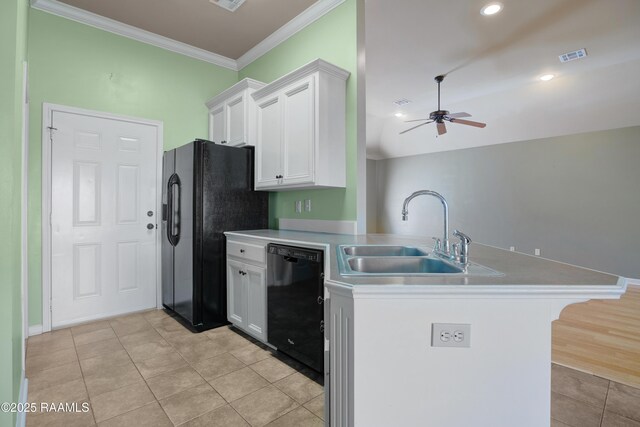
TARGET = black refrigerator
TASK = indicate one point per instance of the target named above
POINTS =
(207, 190)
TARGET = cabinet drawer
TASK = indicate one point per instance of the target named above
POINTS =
(246, 251)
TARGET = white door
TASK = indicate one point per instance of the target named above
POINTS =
(256, 301)
(268, 145)
(236, 293)
(103, 217)
(216, 119)
(235, 112)
(298, 133)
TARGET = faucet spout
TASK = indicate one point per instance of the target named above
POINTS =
(405, 213)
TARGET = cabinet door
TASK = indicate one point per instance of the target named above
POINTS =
(217, 125)
(236, 294)
(298, 133)
(268, 144)
(235, 120)
(257, 301)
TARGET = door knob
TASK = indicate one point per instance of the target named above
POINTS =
(150, 226)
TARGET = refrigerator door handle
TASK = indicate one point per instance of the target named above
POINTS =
(171, 222)
(176, 224)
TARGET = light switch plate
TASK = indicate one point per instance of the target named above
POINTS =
(298, 206)
(450, 335)
(307, 205)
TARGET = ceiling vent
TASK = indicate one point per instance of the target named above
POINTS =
(230, 5)
(572, 56)
(401, 102)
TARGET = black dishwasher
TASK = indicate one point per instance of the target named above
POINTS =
(295, 293)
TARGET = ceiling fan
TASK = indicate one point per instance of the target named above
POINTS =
(440, 116)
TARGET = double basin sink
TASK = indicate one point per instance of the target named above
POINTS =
(388, 260)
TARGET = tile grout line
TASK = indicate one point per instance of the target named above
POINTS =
(604, 407)
(189, 364)
(142, 376)
(134, 364)
(84, 382)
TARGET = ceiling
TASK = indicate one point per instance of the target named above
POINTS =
(200, 23)
(492, 64)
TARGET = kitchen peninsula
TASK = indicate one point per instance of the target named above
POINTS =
(383, 366)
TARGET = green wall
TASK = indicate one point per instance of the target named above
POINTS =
(80, 66)
(13, 27)
(334, 39)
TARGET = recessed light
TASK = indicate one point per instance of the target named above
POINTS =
(399, 114)
(491, 9)
(546, 77)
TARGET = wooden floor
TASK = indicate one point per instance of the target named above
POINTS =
(601, 337)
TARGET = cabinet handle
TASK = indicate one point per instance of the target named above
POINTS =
(241, 251)
(223, 142)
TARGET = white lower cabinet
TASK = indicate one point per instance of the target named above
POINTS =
(247, 295)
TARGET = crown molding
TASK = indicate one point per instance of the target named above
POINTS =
(318, 65)
(79, 15)
(310, 15)
(243, 84)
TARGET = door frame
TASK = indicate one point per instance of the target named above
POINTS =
(47, 113)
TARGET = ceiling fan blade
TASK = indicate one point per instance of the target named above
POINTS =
(421, 124)
(416, 120)
(442, 129)
(468, 122)
(456, 115)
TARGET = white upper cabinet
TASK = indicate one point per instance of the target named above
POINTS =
(300, 126)
(232, 114)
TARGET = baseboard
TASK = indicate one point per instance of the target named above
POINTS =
(318, 225)
(35, 330)
(21, 419)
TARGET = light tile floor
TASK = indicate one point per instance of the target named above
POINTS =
(146, 369)
(583, 400)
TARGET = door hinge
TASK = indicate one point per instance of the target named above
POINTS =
(51, 129)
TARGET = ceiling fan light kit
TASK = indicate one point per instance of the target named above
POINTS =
(441, 116)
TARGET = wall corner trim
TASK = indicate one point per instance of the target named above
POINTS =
(84, 17)
(35, 330)
(309, 16)
(21, 419)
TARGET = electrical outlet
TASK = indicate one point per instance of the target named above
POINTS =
(536, 252)
(450, 335)
(512, 248)
(307, 205)
(298, 206)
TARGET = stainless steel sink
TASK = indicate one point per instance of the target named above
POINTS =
(382, 250)
(401, 265)
(396, 260)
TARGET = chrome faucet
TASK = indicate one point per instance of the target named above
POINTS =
(442, 247)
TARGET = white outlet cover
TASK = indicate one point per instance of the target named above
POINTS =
(450, 335)
(307, 205)
(298, 206)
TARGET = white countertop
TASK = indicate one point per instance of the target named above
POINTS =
(524, 275)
